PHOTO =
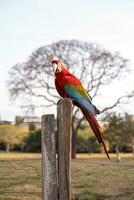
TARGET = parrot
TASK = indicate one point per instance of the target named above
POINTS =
(69, 86)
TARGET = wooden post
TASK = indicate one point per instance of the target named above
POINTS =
(49, 158)
(64, 148)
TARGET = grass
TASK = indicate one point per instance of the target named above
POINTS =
(102, 179)
(94, 177)
(19, 156)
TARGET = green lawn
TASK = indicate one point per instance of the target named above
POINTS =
(92, 179)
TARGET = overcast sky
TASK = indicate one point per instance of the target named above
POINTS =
(28, 24)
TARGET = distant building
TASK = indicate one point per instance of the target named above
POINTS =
(4, 122)
(28, 120)
(31, 119)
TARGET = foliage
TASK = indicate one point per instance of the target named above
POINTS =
(32, 127)
(86, 141)
(120, 132)
(87, 145)
(19, 119)
(11, 135)
(33, 141)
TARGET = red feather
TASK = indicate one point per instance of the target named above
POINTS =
(96, 129)
(59, 89)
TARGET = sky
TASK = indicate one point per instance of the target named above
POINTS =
(26, 25)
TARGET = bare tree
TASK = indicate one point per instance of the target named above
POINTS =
(94, 66)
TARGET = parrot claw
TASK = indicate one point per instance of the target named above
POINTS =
(72, 100)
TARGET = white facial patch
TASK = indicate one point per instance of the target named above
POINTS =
(54, 67)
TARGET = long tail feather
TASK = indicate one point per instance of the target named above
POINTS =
(96, 129)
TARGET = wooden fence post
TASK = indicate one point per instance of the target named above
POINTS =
(64, 148)
(49, 158)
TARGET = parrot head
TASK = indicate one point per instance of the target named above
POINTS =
(57, 66)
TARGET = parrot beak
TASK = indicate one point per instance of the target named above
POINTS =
(57, 66)
(54, 67)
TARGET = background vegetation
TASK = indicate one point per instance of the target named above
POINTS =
(95, 67)
(118, 132)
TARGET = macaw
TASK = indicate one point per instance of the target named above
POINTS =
(68, 86)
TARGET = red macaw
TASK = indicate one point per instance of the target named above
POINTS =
(69, 86)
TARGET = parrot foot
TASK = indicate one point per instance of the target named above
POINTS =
(72, 100)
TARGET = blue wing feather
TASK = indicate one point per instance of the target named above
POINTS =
(80, 99)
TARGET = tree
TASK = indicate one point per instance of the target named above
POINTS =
(113, 132)
(128, 133)
(94, 66)
(33, 141)
(11, 135)
(120, 132)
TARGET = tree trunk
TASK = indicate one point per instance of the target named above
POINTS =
(74, 143)
(117, 153)
(7, 147)
(133, 149)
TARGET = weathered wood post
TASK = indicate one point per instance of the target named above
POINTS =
(49, 158)
(64, 110)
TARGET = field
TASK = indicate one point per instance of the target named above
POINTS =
(93, 177)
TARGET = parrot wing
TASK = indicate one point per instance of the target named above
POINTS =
(77, 92)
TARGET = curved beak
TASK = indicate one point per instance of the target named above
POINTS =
(54, 65)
